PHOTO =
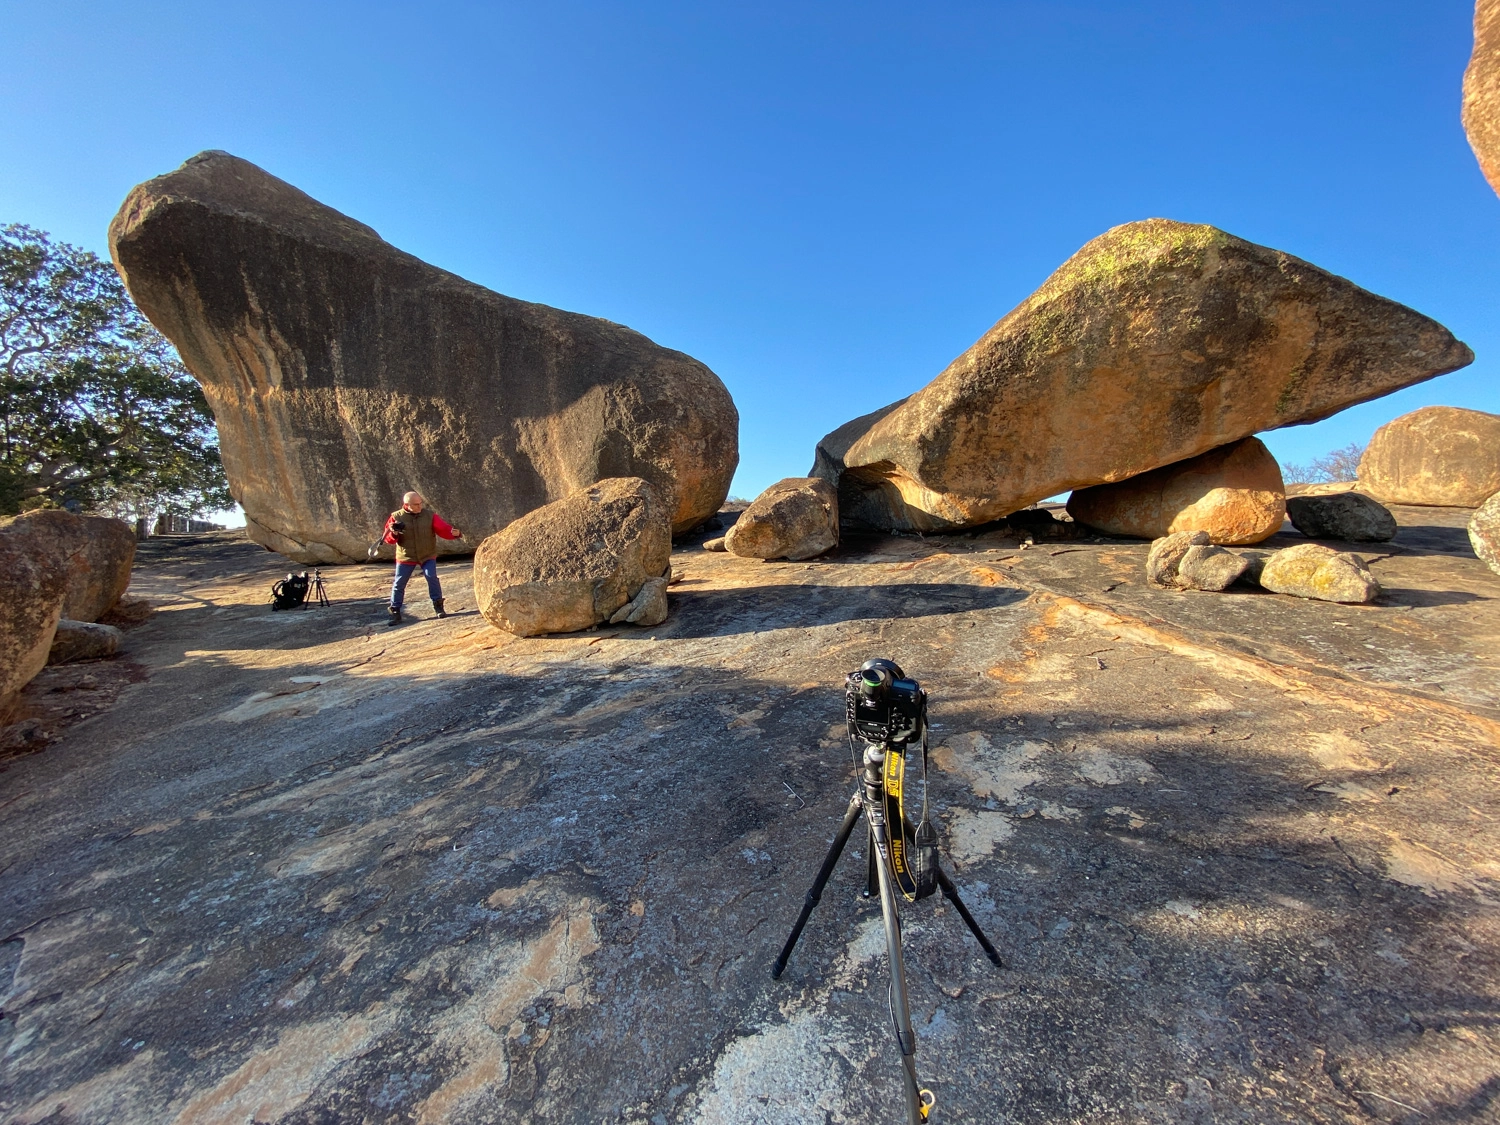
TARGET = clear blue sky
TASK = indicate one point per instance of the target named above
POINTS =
(824, 202)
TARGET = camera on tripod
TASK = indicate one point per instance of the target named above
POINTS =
(883, 706)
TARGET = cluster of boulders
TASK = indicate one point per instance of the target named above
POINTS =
(63, 572)
(1187, 560)
(1157, 343)
(343, 372)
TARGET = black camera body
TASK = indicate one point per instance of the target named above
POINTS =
(883, 706)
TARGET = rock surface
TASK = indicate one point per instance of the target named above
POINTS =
(1444, 456)
(796, 518)
(1234, 493)
(1156, 342)
(1187, 560)
(83, 640)
(1311, 570)
(574, 562)
(1350, 516)
(97, 552)
(1484, 532)
(343, 372)
(1481, 109)
(36, 584)
(476, 877)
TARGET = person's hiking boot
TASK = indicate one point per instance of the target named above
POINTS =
(395, 612)
(437, 604)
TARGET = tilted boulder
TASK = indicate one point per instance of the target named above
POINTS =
(343, 372)
(1186, 560)
(1444, 456)
(97, 553)
(575, 562)
(1481, 111)
(1154, 343)
(1484, 532)
(36, 584)
(1350, 516)
(1233, 493)
(83, 640)
(796, 518)
(1310, 570)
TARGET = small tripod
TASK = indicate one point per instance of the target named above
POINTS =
(315, 586)
(869, 799)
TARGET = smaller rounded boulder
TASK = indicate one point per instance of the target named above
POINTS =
(1484, 532)
(1234, 494)
(83, 640)
(1348, 516)
(36, 585)
(1310, 570)
(576, 562)
(1186, 560)
(1440, 456)
(95, 551)
(796, 518)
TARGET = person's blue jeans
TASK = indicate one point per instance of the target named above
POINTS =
(403, 576)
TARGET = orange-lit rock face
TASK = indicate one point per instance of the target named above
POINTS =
(1481, 112)
(1154, 343)
(343, 372)
(1440, 455)
(1233, 494)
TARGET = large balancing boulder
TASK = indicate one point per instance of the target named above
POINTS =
(343, 372)
(1481, 111)
(96, 552)
(1154, 343)
(575, 562)
(796, 518)
(1484, 532)
(1310, 570)
(1443, 456)
(1233, 493)
(36, 584)
(1350, 516)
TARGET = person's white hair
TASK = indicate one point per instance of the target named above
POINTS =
(410, 496)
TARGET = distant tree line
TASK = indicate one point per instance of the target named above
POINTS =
(97, 412)
(1339, 465)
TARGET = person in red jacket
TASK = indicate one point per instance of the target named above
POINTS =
(415, 533)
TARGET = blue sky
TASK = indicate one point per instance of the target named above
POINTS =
(824, 202)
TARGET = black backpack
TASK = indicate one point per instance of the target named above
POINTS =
(290, 592)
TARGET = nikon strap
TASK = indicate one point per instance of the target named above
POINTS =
(913, 856)
(895, 820)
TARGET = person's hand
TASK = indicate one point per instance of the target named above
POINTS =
(458, 533)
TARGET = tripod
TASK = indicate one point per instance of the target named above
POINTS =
(869, 799)
(316, 587)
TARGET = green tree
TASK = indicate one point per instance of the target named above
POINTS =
(96, 410)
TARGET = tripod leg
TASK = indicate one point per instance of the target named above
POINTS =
(907, 1038)
(816, 893)
(872, 884)
(950, 892)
